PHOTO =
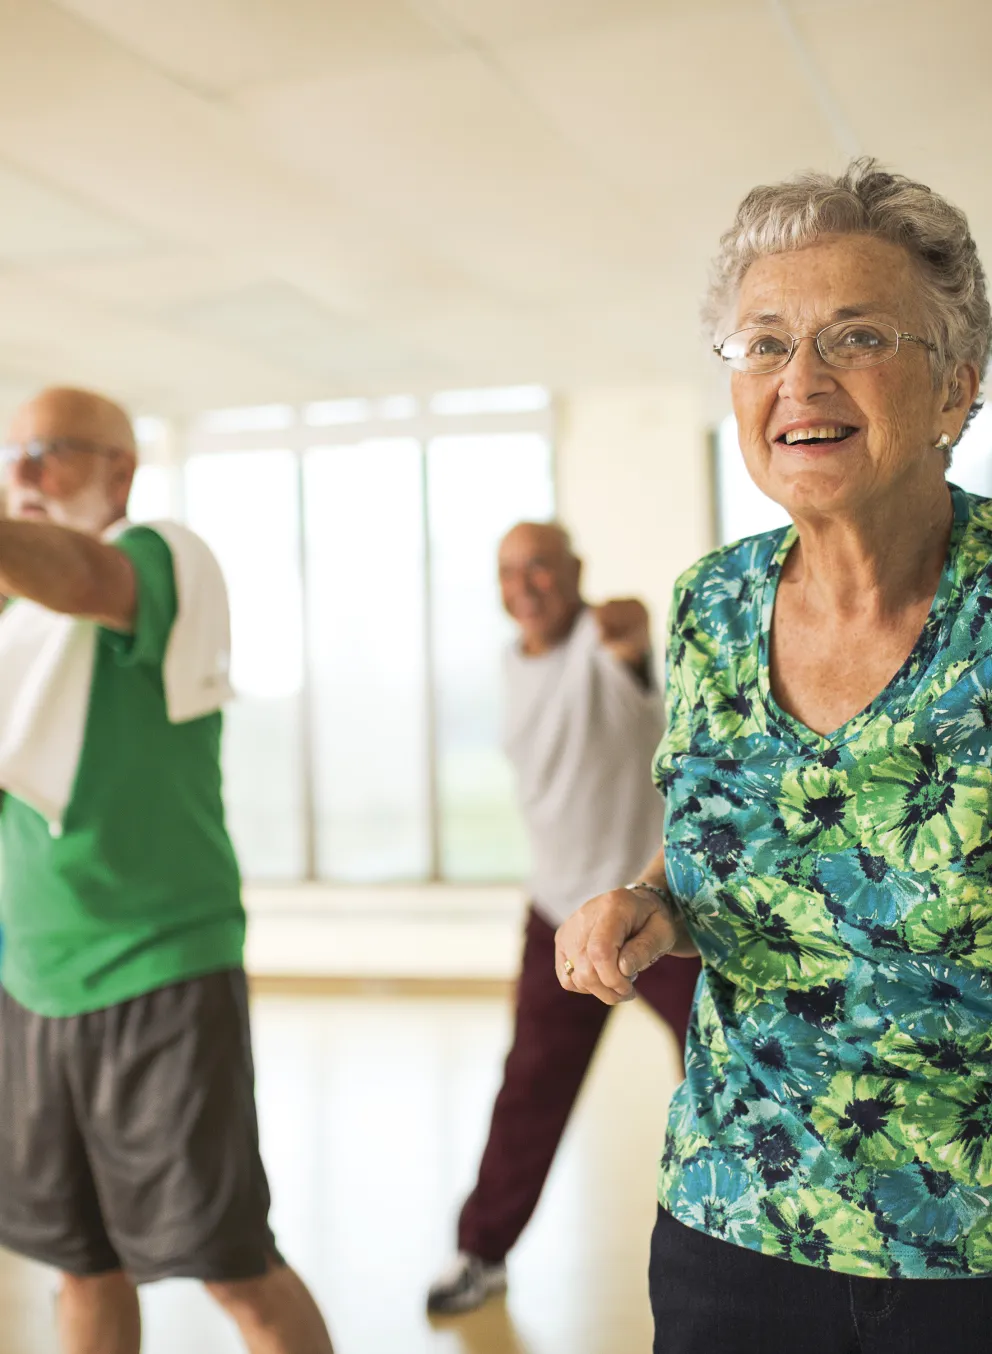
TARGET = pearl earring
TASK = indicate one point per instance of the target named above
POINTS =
(943, 442)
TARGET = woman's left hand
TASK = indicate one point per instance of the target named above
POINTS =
(604, 946)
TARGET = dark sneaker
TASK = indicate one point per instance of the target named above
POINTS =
(465, 1286)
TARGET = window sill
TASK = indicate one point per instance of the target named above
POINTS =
(428, 932)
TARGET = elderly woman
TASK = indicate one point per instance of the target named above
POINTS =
(826, 1184)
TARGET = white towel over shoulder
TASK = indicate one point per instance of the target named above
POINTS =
(46, 674)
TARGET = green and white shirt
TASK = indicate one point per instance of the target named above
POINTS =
(837, 1109)
(142, 888)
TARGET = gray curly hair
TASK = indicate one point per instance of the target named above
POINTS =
(868, 200)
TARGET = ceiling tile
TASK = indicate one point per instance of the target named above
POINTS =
(222, 45)
(122, 135)
(55, 337)
(922, 82)
(40, 223)
(231, 201)
(498, 21)
(676, 109)
(156, 281)
(281, 324)
(926, 106)
(452, 156)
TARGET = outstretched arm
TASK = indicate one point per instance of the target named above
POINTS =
(67, 571)
(604, 946)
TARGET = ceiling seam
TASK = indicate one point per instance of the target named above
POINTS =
(432, 12)
(94, 206)
(830, 108)
(215, 99)
(225, 105)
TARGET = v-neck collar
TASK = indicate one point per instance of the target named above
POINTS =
(895, 695)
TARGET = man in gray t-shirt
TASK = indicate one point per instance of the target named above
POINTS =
(583, 718)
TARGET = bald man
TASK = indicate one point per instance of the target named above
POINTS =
(128, 1137)
(583, 718)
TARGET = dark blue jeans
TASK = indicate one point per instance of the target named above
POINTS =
(710, 1297)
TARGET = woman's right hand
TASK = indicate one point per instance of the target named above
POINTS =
(611, 939)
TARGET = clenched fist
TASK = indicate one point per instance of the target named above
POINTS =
(625, 629)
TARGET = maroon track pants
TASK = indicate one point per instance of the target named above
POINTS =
(553, 1042)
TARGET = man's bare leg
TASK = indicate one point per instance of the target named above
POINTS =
(99, 1315)
(275, 1314)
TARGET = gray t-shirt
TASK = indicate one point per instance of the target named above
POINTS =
(581, 730)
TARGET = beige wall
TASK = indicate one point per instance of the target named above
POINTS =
(634, 487)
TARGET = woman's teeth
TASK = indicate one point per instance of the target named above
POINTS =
(828, 433)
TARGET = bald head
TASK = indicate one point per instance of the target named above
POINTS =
(62, 411)
(78, 459)
(539, 577)
(549, 538)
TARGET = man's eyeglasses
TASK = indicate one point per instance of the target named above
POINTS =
(850, 344)
(53, 450)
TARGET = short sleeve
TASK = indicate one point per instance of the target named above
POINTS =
(156, 587)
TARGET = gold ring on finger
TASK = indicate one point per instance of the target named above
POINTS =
(568, 968)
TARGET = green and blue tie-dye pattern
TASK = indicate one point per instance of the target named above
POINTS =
(837, 1108)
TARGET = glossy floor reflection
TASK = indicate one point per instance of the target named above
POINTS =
(373, 1112)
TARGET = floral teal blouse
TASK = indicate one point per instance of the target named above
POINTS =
(837, 1108)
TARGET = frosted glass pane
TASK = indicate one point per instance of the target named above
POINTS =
(246, 506)
(478, 487)
(366, 638)
(152, 494)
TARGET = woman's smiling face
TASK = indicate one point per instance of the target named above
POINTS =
(886, 419)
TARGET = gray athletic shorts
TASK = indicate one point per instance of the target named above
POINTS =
(128, 1137)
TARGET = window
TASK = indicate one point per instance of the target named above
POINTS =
(741, 508)
(246, 507)
(155, 492)
(366, 626)
(358, 538)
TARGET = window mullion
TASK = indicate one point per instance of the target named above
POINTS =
(430, 678)
(308, 770)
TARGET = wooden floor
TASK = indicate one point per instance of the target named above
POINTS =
(373, 1114)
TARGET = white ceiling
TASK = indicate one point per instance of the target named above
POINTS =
(210, 202)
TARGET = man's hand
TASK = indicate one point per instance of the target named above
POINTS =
(625, 629)
(604, 946)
